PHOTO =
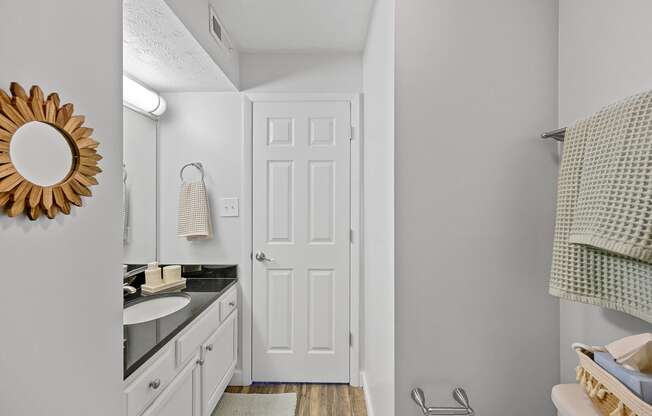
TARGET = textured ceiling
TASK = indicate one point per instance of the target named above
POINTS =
(159, 51)
(295, 25)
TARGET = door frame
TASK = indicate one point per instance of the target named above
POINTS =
(243, 375)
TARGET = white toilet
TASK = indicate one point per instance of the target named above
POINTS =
(571, 400)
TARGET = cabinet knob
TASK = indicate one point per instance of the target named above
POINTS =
(209, 347)
(231, 303)
(200, 362)
(155, 384)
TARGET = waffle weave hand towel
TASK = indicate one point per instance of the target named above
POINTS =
(194, 220)
(614, 204)
(584, 274)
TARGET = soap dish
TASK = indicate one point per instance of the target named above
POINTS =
(146, 290)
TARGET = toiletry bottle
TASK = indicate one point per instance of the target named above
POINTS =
(172, 274)
(153, 275)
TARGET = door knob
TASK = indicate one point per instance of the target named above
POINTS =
(260, 256)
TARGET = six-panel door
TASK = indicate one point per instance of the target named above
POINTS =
(301, 226)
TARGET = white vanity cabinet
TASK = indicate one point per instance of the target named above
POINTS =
(189, 375)
(219, 357)
(183, 395)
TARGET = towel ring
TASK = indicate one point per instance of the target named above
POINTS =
(196, 165)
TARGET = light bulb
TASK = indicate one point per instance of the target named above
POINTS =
(141, 98)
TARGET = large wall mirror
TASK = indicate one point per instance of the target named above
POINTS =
(140, 188)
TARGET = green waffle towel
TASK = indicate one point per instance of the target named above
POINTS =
(614, 205)
(583, 273)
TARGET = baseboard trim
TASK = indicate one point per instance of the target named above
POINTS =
(355, 380)
(238, 379)
(367, 397)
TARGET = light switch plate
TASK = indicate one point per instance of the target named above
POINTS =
(229, 207)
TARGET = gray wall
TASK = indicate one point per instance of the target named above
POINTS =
(61, 301)
(475, 194)
(604, 55)
(378, 269)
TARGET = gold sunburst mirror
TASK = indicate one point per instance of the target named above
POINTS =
(48, 159)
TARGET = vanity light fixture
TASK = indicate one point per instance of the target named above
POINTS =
(140, 98)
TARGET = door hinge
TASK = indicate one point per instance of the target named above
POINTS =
(350, 235)
(352, 133)
(350, 339)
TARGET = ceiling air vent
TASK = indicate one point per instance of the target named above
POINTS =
(217, 30)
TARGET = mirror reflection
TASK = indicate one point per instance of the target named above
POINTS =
(139, 188)
(41, 153)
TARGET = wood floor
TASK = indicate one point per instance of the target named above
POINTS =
(315, 399)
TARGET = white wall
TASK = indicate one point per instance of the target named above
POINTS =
(139, 155)
(301, 72)
(195, 16)
(475, 194)
(604, 55)
(204, 127)
(378, 275)
(61, 303)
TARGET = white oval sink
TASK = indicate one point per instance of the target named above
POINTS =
(155, 308)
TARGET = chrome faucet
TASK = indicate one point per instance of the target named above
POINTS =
(128, 290)
(128, 277)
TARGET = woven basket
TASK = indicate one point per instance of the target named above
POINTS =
(608, 394)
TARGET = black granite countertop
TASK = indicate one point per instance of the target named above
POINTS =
(204, 284)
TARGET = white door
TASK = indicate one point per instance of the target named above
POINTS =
(301, 216)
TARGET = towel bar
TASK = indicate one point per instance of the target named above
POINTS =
(458, 394)
(555, 134)
(196, 165)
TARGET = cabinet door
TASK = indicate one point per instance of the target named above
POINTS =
(219, 355)
(183, 395)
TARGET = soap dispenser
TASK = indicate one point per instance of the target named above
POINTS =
(153, 275)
